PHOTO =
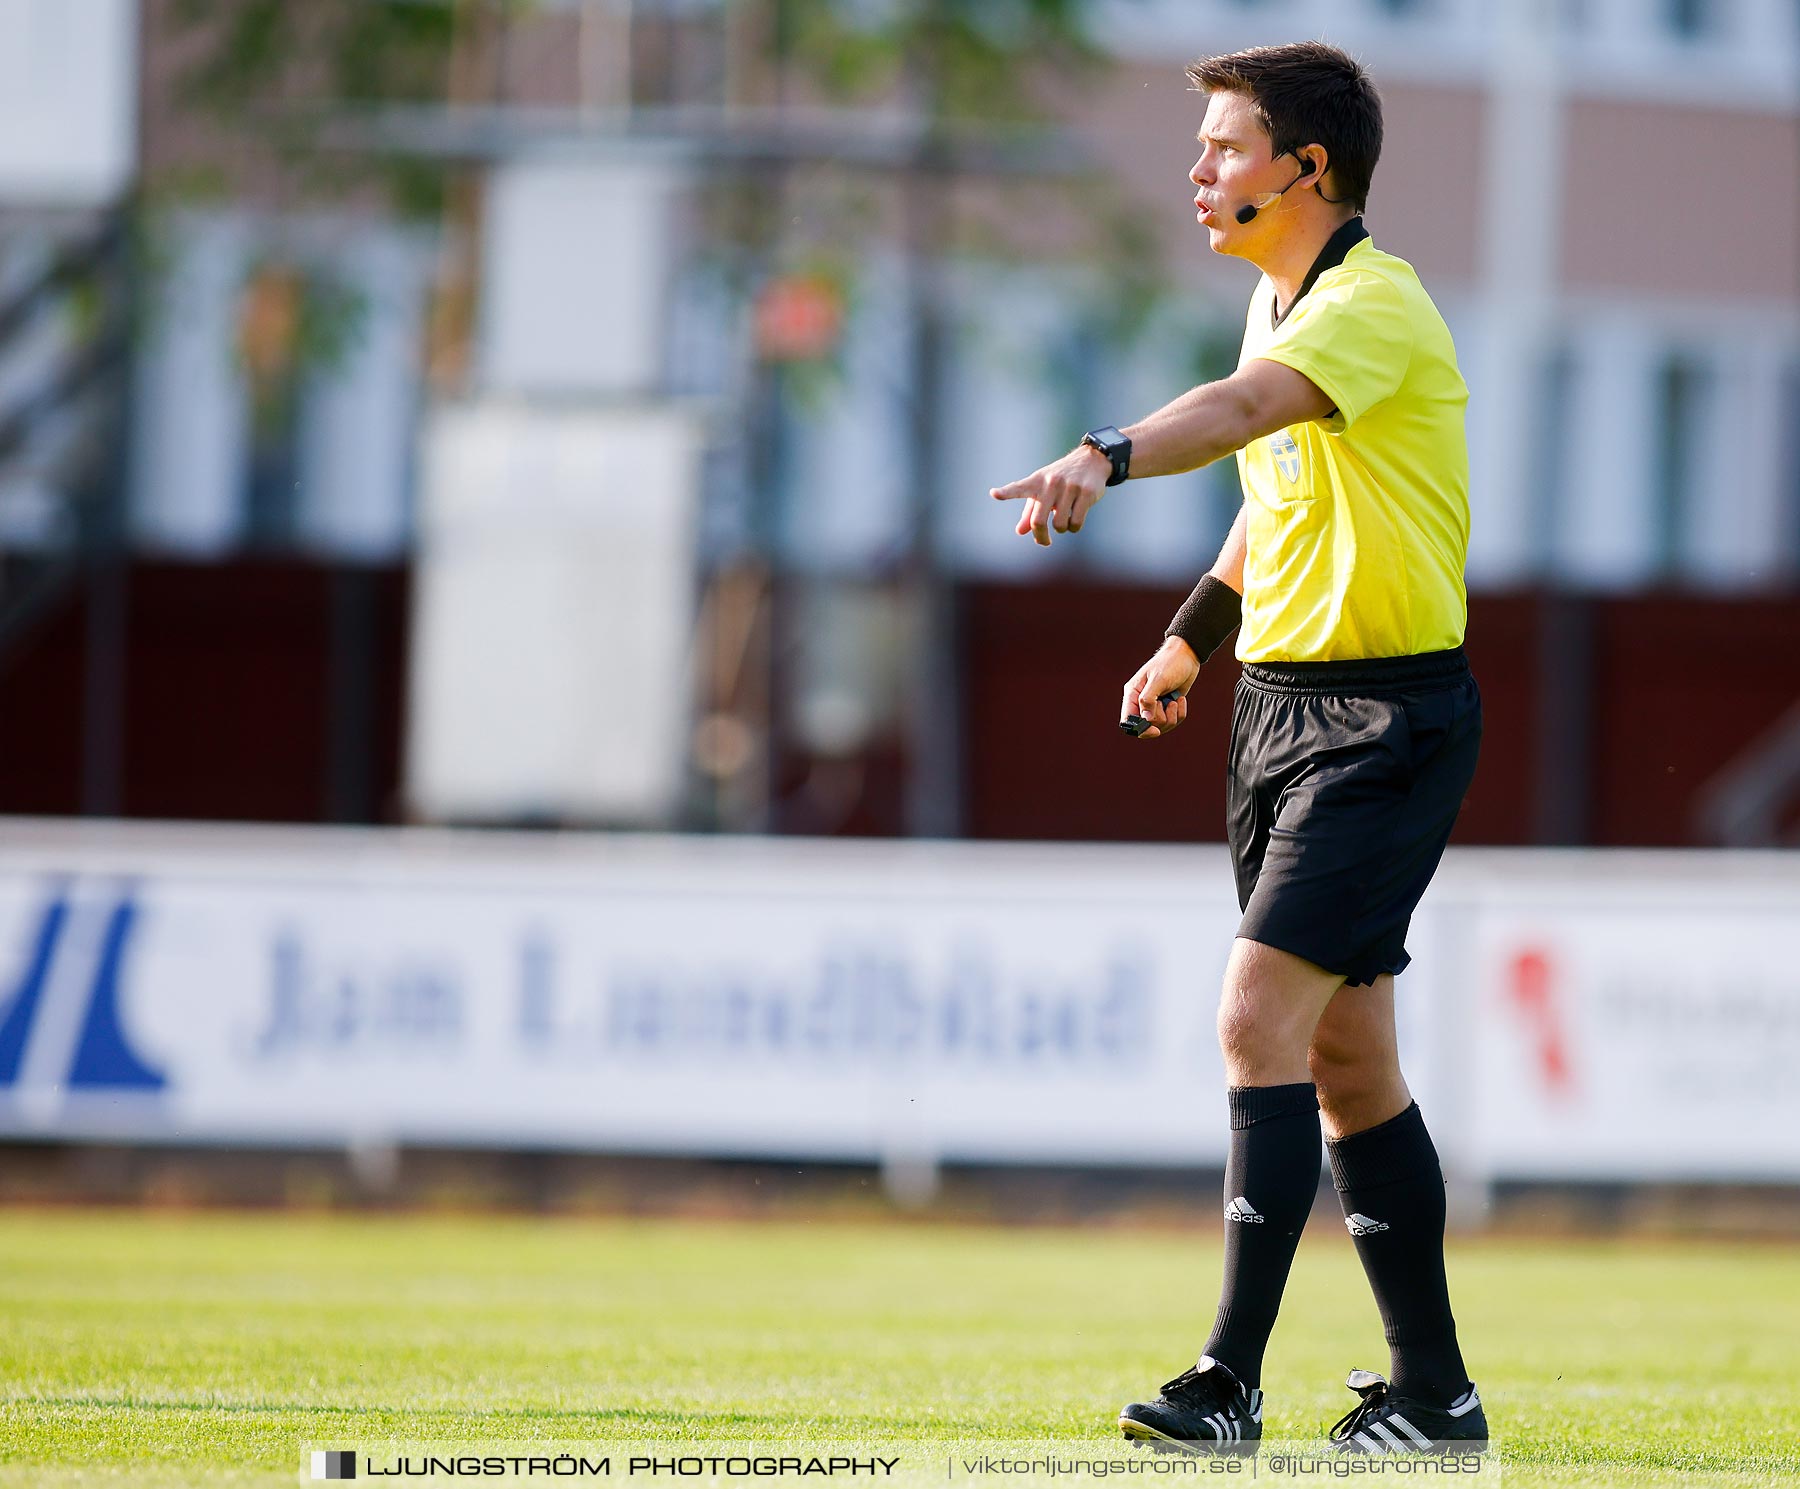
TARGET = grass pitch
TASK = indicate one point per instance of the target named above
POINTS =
(192, 1347)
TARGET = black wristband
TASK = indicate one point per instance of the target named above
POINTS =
(1207, 616)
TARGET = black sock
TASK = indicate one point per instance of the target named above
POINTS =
(1271, 1178)
(1392, 1189)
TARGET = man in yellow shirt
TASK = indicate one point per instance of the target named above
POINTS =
(1354, 733)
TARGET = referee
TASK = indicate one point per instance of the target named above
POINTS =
(1354, 732)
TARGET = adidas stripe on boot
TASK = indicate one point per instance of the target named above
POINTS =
(1204, 1410)
(1383, 1423)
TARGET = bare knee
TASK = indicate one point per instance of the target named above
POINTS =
(1343, 1074)
(1267, 1009)
(1252, 1030)
(1240, 1037)
(1358, 1088)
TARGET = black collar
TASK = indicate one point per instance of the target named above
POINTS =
(1336, 250)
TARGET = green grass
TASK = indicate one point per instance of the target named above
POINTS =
(203, 1344)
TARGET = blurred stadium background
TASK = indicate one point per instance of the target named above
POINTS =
(577, 417)
(516, 693)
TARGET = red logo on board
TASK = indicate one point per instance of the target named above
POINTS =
(1531, 991)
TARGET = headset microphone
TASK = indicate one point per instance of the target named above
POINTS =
(1247, 212)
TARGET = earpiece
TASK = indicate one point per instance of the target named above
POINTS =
(1247, 212)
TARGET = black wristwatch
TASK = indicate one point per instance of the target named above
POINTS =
(1115, 447)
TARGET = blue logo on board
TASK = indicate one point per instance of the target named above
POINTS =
(39, 1002)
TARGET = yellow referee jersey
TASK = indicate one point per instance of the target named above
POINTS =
(1357, 526)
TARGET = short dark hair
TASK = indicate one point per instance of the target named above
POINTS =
(1307, 93)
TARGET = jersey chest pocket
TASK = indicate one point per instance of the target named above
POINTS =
(1278, 470)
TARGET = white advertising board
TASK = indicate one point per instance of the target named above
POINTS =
(1567, 1016)
(1642, 1023)
(68, 101)
(638, 995)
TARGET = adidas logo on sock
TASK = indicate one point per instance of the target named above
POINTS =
(1361, 1225)
(1240, 1209)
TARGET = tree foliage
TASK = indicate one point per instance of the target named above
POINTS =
(269, 73)
(960, 59)
(249, 52)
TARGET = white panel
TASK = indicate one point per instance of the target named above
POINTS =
(553, 613)
(1000, 422)
(191, 422)
(357, 428)
(1495, 556)
(1769, 27)
(1607, 533)
(1714, 500)
(577, 259)
(68, 101)
(1734, 530)
(1523, 120)
(846, 507)
(1763, 557)
(1169, 528)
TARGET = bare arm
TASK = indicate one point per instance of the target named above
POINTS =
(1197, 428)
(1203, 425)
(1176, 664)
(1229, 566)
(1214, 420)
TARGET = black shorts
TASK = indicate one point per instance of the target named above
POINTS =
(1345, 780)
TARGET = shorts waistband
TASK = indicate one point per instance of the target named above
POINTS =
(1365, 675)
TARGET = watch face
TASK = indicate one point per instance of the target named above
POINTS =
(1111, 443)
